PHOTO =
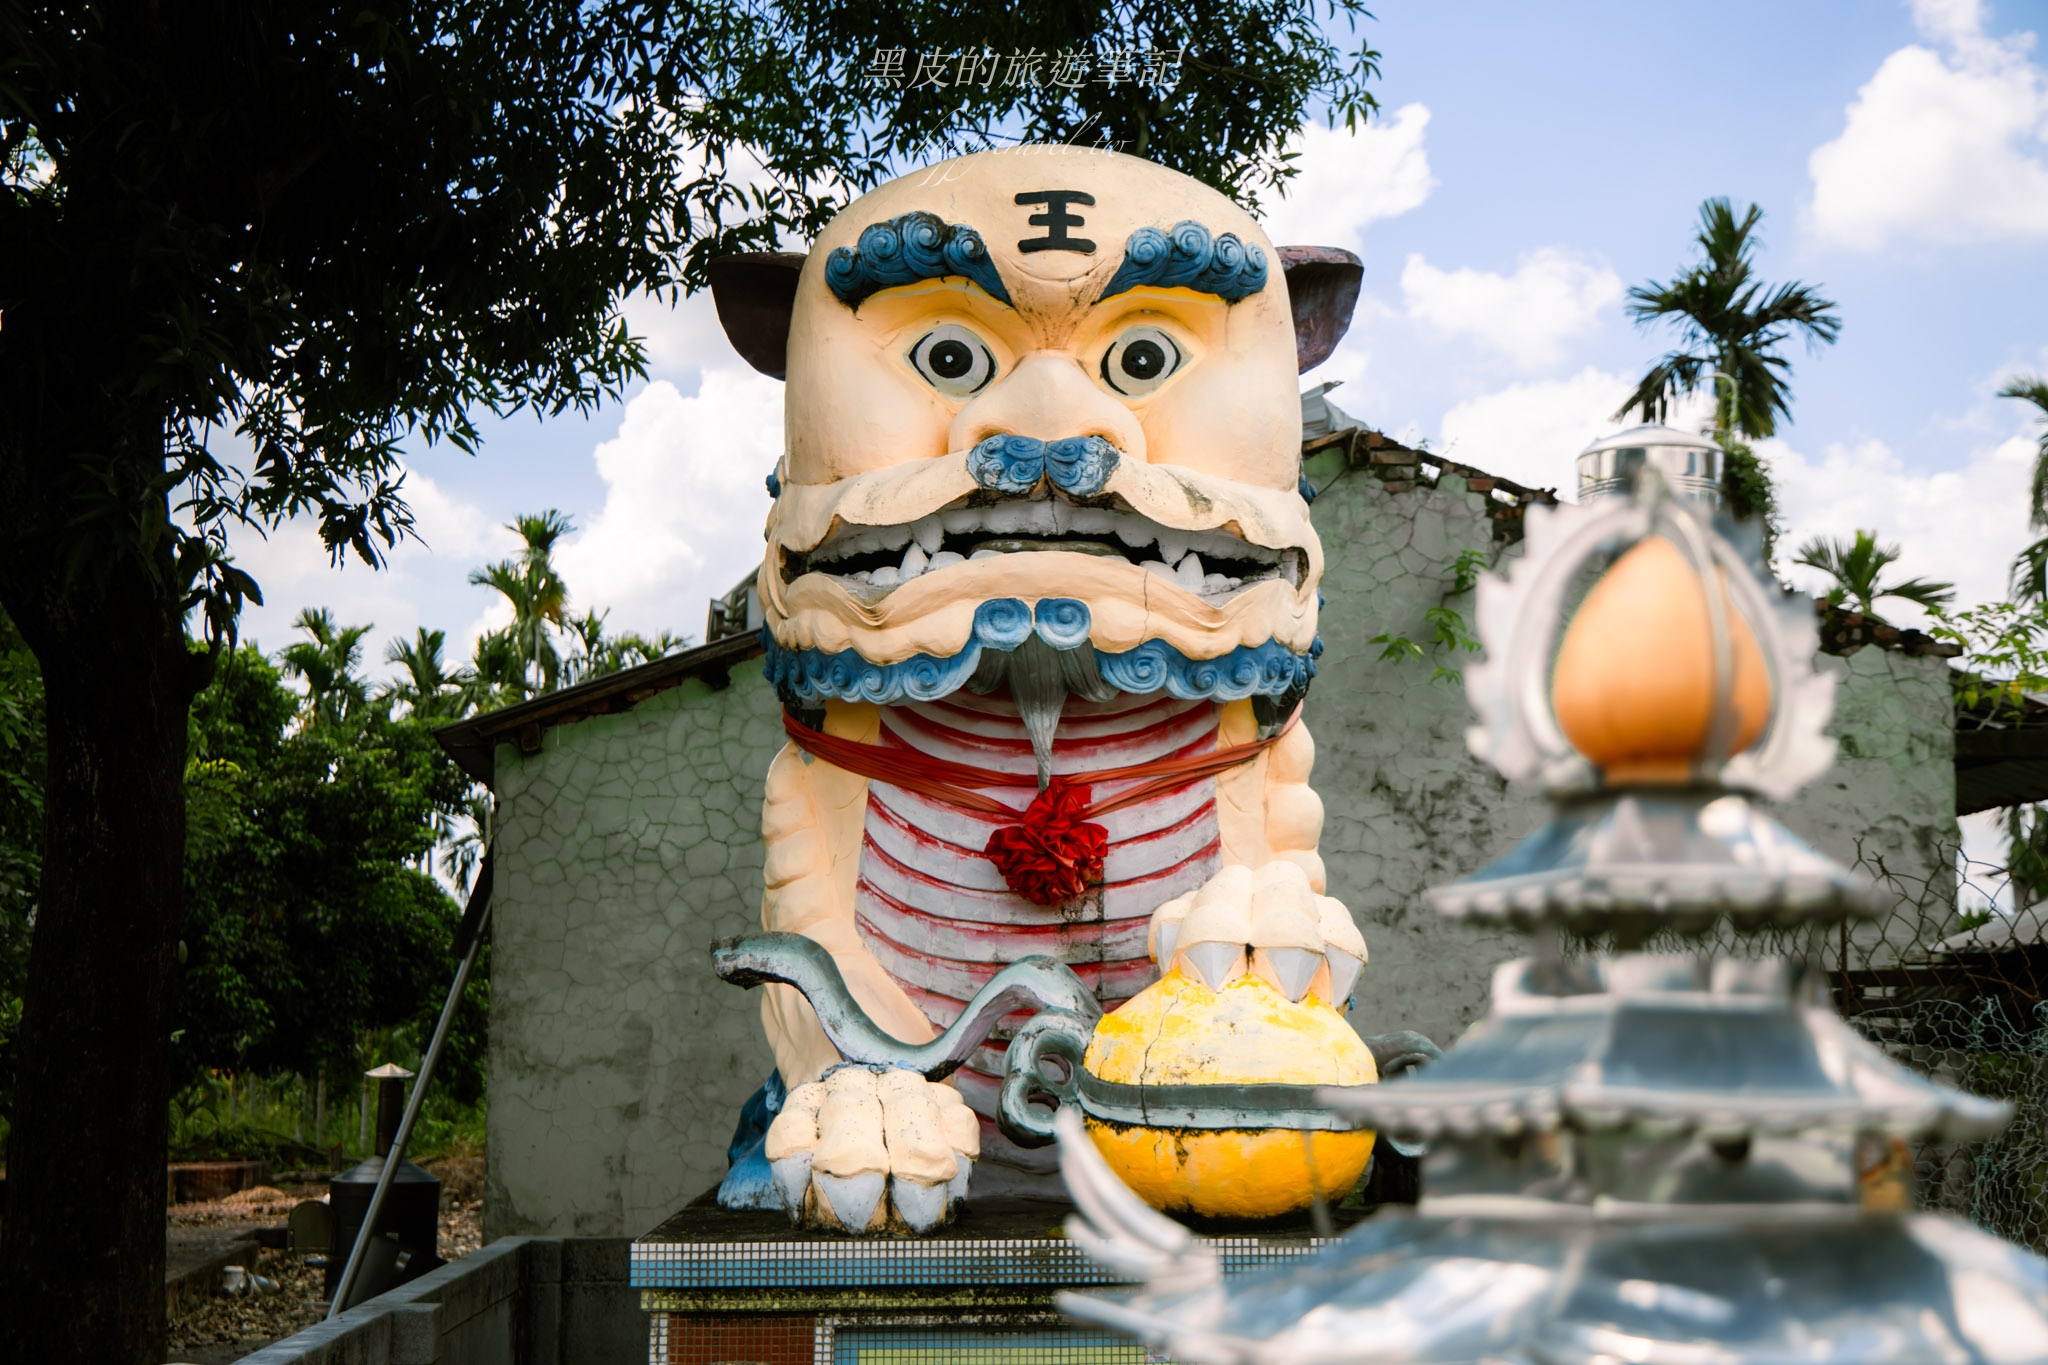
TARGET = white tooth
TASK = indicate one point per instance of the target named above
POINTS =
(956, 1190)
(1189, 573)
(1216, 963)
(984, 554)
(1135, 531)
(929, 532)
(914, 562)
(1236, 583)
(1214, 583)
(792, 1175)
(1292, 969)
(1172, 545)
(860, 577)
(885, 577)
(922, 1206)
(1167, 934)
(945, 559)
(960, 521)
(852, 1198)
(1020, 518)
(1161, 568)
(1094, 520)
(1344, 969)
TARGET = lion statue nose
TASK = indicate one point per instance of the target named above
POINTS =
(1077, 465)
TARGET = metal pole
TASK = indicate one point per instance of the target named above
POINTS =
(467, 936)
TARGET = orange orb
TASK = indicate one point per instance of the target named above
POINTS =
(1633, 686)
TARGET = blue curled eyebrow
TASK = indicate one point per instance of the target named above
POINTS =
(910, 249)
(1189, 257)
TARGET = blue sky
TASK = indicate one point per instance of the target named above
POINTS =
(1531, 162)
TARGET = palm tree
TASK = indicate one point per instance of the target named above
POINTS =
(2030, 570)
(539, 598)
(1731, 322)
(495, 678)
(598, 654)
(1857, 568)
(428, 689)
(327, 660)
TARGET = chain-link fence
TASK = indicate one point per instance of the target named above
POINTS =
(1959, 995)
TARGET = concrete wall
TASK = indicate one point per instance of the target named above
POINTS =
(618, 1062)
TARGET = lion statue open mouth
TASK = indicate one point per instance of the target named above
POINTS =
(1040, 597)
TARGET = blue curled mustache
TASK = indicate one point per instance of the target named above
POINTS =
(1079, 466)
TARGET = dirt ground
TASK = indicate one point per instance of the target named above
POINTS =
(212, 1329)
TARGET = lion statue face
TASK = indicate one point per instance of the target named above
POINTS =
(1050, 391)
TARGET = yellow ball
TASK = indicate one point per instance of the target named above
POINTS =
(1179, 1032)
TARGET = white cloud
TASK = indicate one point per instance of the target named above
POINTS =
(1943, 146)
(413, 589)
(1349, 180)
(1532, 432)
(1526, 316)
(1961, 525)
(684, 504)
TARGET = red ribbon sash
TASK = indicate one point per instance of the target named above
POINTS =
(1055, 851)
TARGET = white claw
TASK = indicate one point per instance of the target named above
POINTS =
(1167, 934)
(1217, 963)
(792, 1174)
(922, 1206)
(914, 562)
(1291, 969)
(1344, 970)
(852, 1198)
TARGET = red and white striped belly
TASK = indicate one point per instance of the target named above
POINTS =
(939, 919)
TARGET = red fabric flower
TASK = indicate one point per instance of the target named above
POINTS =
(1055, 853)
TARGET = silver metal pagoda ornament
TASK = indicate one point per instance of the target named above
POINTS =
(1633, 1157)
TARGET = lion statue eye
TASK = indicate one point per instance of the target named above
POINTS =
(954, 360)
(1140, 361)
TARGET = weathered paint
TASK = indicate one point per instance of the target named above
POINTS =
(629, 842)
(1179, 1032)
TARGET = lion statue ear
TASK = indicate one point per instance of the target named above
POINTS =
(755, 293)
(1322, 285)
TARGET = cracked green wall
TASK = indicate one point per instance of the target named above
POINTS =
(629, 842)
(618, 1061)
